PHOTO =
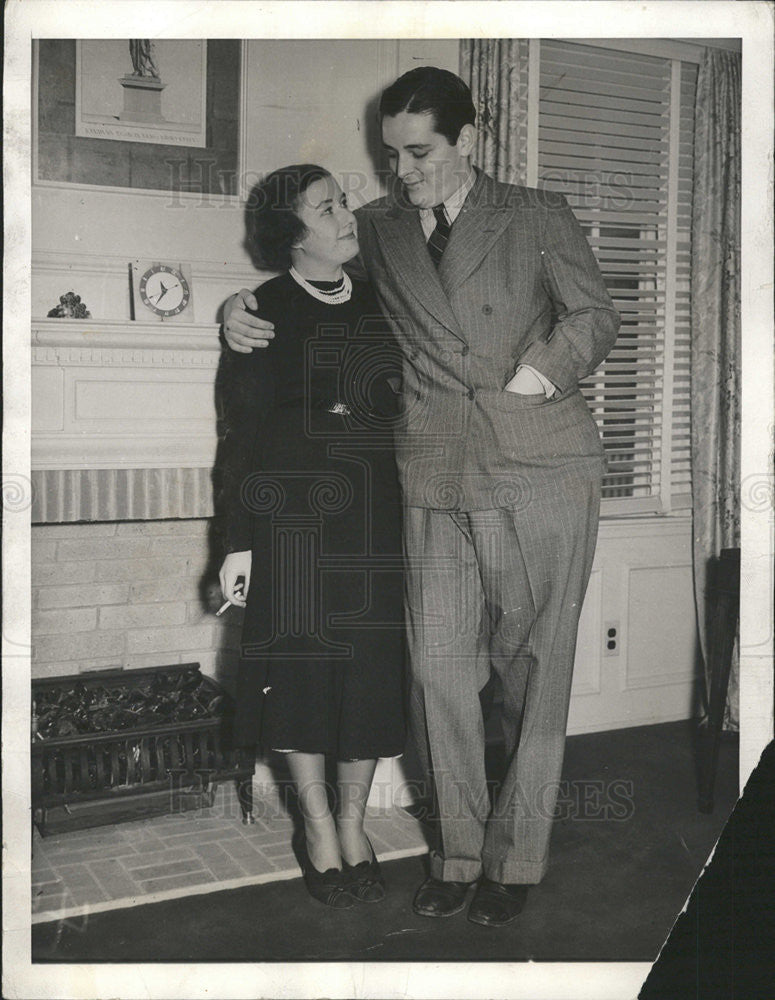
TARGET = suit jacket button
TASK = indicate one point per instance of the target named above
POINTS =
(487, 310)
(464, 350)
(471, 393)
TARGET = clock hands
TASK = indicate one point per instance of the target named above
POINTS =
(164, 290)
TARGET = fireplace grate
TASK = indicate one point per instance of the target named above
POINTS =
(88, 779)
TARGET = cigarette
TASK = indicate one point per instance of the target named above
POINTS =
(225, 605)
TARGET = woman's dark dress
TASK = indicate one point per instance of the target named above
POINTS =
(315, 496)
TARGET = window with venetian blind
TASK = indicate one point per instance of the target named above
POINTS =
(614, 131)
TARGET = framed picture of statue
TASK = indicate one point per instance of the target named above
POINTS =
(138, 114)
(142, 90)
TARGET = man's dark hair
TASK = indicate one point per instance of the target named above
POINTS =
(429, 90)
(272, 220)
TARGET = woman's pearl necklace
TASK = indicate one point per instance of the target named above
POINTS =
(337, 296)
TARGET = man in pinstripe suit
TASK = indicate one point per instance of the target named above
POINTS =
(500, 309)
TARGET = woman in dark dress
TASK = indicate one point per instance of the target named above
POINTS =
(312, 514)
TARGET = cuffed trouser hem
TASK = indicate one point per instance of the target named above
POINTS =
(454, 869)
(516, 872)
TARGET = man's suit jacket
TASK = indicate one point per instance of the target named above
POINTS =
(517, 283)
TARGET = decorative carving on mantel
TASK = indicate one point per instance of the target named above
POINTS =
(62, 495)
(106, 357)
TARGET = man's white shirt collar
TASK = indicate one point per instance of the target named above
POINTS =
(452, 205)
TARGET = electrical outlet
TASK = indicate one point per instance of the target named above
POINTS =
(611, 632)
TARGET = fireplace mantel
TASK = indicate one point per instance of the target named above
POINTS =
(123, 335)
(123, 419)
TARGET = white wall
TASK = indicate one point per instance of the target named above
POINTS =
(325, 111)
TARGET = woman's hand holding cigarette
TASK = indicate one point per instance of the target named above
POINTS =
(235, 578)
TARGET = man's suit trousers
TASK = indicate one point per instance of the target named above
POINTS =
(501, 587)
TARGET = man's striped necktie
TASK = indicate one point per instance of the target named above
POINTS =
(438, 238)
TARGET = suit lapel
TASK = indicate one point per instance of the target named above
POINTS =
(480, 222)
(403, 246)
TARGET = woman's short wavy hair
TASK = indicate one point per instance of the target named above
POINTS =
(273, 223)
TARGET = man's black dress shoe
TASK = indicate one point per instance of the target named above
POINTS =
(495, 904)
(435, 898)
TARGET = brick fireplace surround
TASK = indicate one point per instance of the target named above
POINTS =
(128, 594)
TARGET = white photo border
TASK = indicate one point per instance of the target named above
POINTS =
(753, 22)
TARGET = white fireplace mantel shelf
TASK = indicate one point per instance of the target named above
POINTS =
(64, 334)
(126, 398)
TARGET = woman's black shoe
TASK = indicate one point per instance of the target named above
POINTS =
(365, 880)
(329, 887)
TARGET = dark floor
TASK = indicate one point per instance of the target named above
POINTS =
(627, 847)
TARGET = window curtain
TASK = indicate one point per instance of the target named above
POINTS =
(495, 69)
(715, 359)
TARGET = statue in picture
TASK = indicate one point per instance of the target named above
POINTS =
(142, 52)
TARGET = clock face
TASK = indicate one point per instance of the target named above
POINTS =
(164, 290)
